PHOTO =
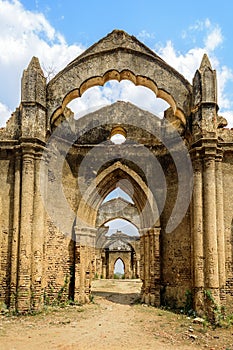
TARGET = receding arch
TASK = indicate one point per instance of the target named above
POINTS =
(120, 224)
(119, 56)
(122, 264)
(118, 193)
(104, 183)
(118, 208)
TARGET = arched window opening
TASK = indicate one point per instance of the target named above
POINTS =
(118, 135)
(119, 269)
(112, 91)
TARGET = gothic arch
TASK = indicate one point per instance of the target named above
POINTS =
(121, 259)
(117, 208)
(119, 56)
(104, 184)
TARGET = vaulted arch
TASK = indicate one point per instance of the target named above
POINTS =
(119, 56)
(104, 183)
(118, 208)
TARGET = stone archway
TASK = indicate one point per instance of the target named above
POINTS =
(149, 232)
(113, 57)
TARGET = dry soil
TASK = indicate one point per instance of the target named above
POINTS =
(114, 320)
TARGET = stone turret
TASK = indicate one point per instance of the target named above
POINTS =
(204, 121)
(33, 101)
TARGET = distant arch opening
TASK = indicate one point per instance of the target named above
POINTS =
(119, 269)
(121, 225)
(118, 193)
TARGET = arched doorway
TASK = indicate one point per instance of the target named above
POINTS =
(119, 268)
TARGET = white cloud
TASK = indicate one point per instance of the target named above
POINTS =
(24, 34)
(4, 114)
(97, 97)
(213, 39)
(187, 63)
(144, 35)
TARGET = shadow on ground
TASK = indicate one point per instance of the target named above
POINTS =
(118, 298)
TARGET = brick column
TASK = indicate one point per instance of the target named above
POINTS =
(15, 237)
(197, 237)
(25, 239)
(151, 264)
(210, 228)
(37, 239)
(142, 262)
(154, 235)
(220, 227)
(84, 260)
(146, 265)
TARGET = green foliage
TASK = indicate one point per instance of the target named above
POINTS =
(188, 308)
(91, 298)
(215, 314)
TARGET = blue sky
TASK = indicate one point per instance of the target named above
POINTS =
(58, 31)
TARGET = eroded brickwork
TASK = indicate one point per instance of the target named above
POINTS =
(56, 171)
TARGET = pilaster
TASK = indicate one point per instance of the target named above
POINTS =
(37, 237)
(197, 235)
(15, 237)
(26, 228)
(220, 225)
(84, 263)
(150, 259)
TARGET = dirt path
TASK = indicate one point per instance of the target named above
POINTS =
(112, 322)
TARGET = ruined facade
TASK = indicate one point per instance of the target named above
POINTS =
(56, 171)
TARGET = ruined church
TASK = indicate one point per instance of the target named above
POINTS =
(56, 172)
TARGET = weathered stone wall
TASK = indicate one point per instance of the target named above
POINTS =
(228, 221)
(48, 251)
(6, 222)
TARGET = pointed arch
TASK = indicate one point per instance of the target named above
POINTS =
(104, 183)
(117, 208)
(122, 261)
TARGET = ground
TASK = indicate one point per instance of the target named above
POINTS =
(114, 320)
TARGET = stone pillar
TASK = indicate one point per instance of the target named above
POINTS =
(157, 267)
(197, 237)
(84, 260)
(15, 237)
(138, 269)
(147, 267)
(151, 263)
(210, 229)
(220, 227)
(37, 239)
(142, 262)
(25, 235)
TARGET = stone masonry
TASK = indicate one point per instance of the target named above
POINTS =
(56, 171)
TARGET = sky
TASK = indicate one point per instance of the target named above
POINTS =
(56, 32)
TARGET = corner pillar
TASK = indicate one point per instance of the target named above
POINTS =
(197, 237)
(38, 238)
(150, 247)
(210, 229)
(25, 235)
(15, 237)
(84, 263)
(220, 227)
